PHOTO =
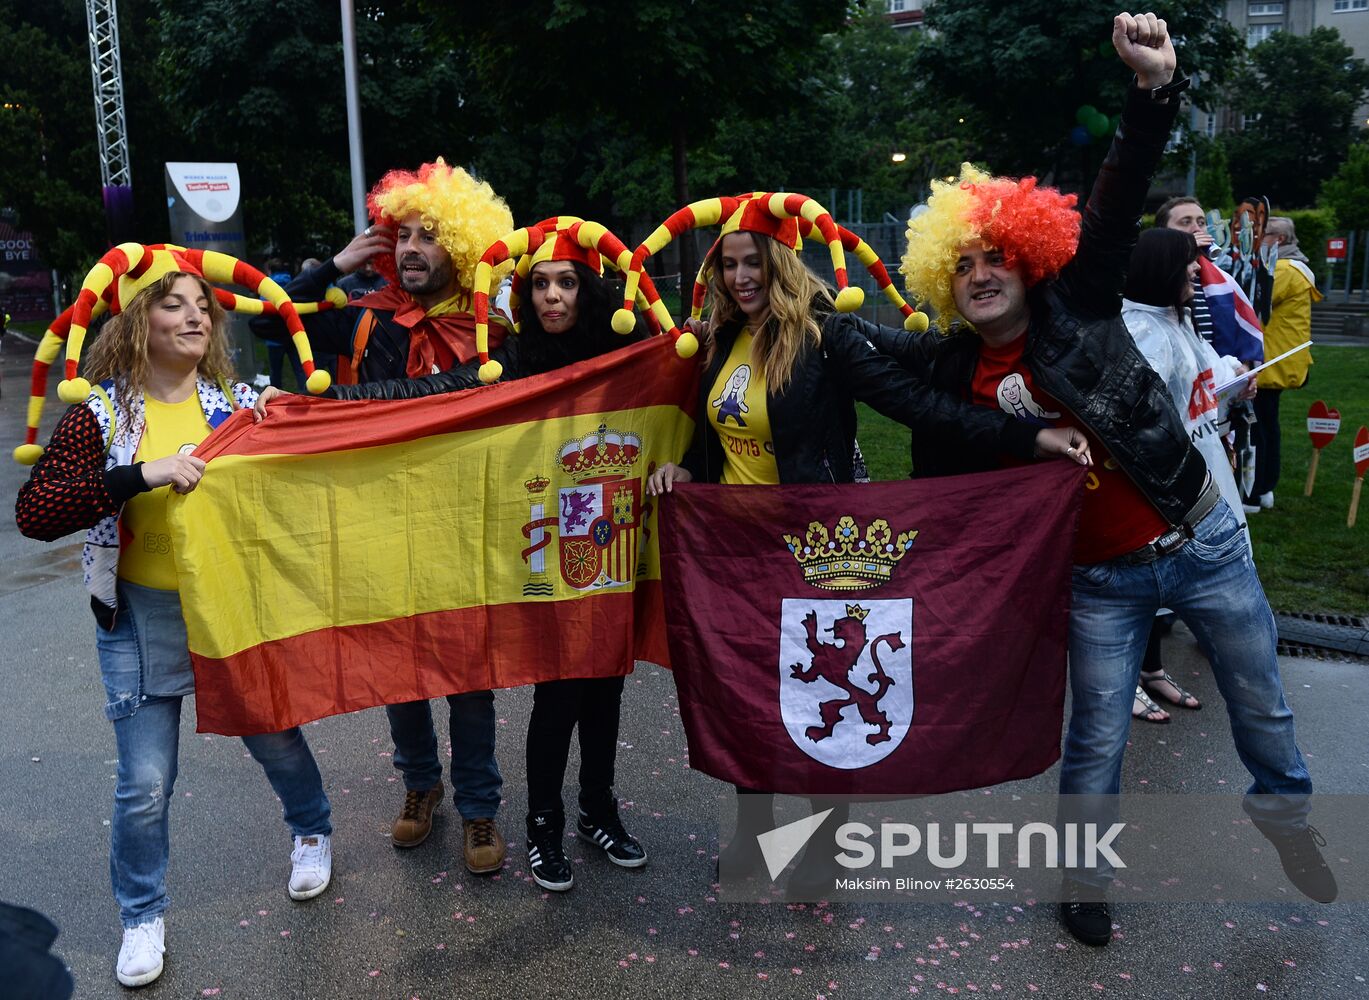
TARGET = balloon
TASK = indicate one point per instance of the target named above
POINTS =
(1085, 112)
(1079, 136)
(1097, 125)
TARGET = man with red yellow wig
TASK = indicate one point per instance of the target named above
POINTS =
(1029, 291)
(429, 231)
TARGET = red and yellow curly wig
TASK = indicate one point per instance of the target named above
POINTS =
(465, 213)
(1036, 229)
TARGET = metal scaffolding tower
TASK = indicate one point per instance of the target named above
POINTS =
(107, 76)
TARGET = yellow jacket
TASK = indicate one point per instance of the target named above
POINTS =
(1290, 324)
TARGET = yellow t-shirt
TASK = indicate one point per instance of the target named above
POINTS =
(146, 558)
(737, 411)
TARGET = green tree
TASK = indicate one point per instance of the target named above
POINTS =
(1213, 186)
(880, 105)
(50, 170)
(260, 83)
(1027, 70)
(660, 74)
(1299, 95)
(1346, 193)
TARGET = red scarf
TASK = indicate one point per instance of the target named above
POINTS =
(436, 343)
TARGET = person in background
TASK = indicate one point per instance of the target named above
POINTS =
(1290, 324)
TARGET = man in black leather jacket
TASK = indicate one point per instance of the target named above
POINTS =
(1043, 339)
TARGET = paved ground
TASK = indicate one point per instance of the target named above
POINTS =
(413, 924)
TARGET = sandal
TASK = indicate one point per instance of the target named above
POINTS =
(1145, 709)
(1154, 685)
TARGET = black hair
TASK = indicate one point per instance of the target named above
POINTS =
(1158, 272)
(592, 334)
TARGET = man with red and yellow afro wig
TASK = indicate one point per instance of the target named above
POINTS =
(1029, 296)
(1035, 228)
(430, 228)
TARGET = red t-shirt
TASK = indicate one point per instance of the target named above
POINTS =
(1116, 516)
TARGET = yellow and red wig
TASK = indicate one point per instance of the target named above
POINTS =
(465, 213)
(1035, 228)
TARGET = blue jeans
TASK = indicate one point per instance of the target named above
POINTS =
(146, 734)
(476, 782)
(1211, 585)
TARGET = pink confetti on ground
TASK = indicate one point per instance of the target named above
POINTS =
(244, 923)
(373, 973)
(284, 933)
(213, 991)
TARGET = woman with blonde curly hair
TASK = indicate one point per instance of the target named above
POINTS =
(160, 379)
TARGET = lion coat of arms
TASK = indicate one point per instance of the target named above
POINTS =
(846, 668)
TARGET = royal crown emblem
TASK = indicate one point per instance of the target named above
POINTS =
(603, 454)
(597, 520)
(843, 559)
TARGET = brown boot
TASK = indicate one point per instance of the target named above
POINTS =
(416, 818)
(485, 848)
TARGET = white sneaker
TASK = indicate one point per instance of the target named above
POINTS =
(1267, 500)
(140, 956)
(1251, 508)
(311, 866)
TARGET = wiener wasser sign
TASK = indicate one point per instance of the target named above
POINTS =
(204, 201)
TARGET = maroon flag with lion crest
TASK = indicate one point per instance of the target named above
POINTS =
(883, 638)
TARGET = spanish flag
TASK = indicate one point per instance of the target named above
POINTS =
(343, 555)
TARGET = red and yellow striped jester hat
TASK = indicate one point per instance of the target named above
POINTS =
(115, 280)
(562, 238)
(777, 215)
(851, 243)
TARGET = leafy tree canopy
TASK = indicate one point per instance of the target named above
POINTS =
(1299, 95)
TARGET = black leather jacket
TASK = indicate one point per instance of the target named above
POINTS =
(813, 421)
(1078, 348)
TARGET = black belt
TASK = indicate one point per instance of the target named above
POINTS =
(1177, 537)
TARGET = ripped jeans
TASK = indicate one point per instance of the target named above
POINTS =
(145, 683)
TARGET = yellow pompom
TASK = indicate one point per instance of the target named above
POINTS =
(336, 296)
(624, 321)
(850, 299)
(490, 372)
(73, 390)
(916, 323)
(27, 454)
(687, 346)
(318, 381)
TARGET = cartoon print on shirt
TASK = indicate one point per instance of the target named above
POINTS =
(1015, 398)
(731, 402)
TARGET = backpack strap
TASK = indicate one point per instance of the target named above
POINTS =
(347, 368)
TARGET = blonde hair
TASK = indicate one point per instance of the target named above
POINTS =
(120, 351)
(791, 324)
